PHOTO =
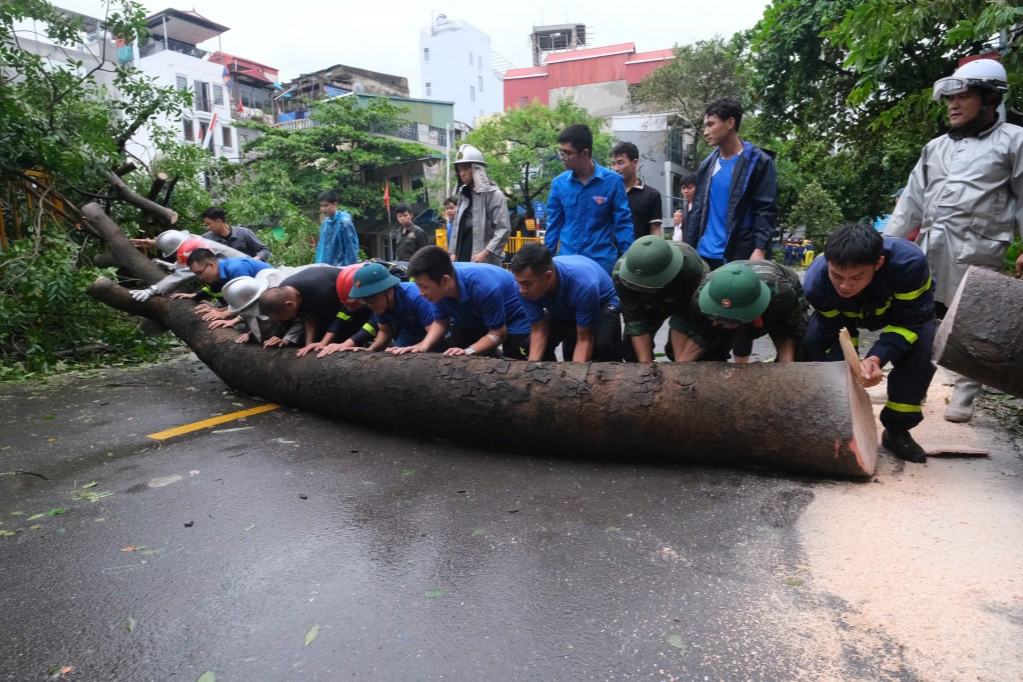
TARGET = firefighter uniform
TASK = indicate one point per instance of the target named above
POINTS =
(900, 302)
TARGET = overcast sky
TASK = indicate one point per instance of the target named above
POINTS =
(299, 36)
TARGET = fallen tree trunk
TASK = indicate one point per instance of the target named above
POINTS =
(128, 195)
(981, 336)
(662, 412)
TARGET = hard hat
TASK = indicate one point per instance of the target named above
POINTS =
(650, 263)
(469, 154)
(372, 278)
(189, 245)
(734, 293)
(344, 286)
(980, 73)
(168, 241)
(241, 293)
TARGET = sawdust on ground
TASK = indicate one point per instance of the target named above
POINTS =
(927, 560)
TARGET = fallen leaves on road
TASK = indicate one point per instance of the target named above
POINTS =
(311, 635)
(207, 676)
(130, 624)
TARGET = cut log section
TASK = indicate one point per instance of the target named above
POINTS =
(805, 417)
(981, 336)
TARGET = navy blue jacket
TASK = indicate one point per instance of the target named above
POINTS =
(752, 203)
(899, 299)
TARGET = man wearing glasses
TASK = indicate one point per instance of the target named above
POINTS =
(588, 210)
(964, 193)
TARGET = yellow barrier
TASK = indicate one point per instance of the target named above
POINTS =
(516, 242)
(441, 235)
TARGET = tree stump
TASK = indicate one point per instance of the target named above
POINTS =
(981, 337)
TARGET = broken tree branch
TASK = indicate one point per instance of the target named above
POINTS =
(128, 195)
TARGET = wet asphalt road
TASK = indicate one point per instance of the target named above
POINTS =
(418, 559)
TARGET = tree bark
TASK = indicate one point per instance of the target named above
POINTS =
(128, 195)
(661, 412)
(154, 189)
(981, 336)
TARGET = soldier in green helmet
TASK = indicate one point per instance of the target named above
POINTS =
(655, 281)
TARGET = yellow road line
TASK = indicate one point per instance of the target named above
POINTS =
(206, 423)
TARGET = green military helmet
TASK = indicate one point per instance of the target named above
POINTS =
(650, 263)
(734, 293)
(372, 278)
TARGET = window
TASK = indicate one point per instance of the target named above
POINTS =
(186, 126)
(523, 101)
(426, 54)
(218, 95)
(481, 83)
(225, 133)
(471, 60)
(479, 62)
(472, 93)
(202, 96)
(182, 83)
(427, 89)
(203, 127)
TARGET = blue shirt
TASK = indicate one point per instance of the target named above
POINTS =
(715, 238)
(590, 220)
(339, 243)
(412, 313)
(240, 267)
(488, 297)
(583, 289)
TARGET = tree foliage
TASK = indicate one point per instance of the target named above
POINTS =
(520, 146)
(699, 74)
(69, 118)
(816, 212)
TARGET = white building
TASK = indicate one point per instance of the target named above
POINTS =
(171, 56)
(456, 65)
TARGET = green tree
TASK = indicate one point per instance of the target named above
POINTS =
(816, 212)
(699, 74)
(521, 146)
(59, 118)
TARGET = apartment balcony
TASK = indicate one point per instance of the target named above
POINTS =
(257, 114)
(297, 124)
(159, 45)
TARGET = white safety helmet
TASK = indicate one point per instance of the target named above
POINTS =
(469, 154)
(241, 293)
(980, 73)
(168, 241)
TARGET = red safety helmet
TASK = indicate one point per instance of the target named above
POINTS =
(188, 246)
(345, 280)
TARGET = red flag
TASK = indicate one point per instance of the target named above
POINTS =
(387, 195)
(240, 107)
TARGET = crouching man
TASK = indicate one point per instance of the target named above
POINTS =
(311, 297)
(874, 282)
(743, 301)
(481, 300)
(582, 309)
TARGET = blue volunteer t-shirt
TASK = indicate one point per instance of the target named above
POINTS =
(488, 297)
(584, 288)
(240, 267)
(715, 237)
(412, 313)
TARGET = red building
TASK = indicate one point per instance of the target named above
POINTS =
(597, 78)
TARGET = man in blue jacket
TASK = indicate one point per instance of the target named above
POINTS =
(587, 210)
(339, 243)
(735, 212)
(868, 281)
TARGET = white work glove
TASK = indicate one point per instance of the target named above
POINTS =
(143, 295)
(166, 265)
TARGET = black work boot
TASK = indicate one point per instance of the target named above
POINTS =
(902, 445)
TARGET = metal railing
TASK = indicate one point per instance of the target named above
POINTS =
(415, 132)
(159, 45)
(297, 124)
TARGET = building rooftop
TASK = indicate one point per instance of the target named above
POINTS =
(187, 27)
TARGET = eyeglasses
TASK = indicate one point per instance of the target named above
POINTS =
(565, 156)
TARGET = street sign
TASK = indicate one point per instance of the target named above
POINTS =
(538, 209)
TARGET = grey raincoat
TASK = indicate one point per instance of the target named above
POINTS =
(490, 224)
(964, 195)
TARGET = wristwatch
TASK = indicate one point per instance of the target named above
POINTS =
(470, 351)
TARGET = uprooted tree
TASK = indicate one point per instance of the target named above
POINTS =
(712, 412)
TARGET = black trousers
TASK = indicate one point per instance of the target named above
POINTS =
(908, 380)
(515, 346)
(607, 337)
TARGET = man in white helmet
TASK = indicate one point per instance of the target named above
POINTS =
(169, 244)
(481, 226)
(965, 192)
